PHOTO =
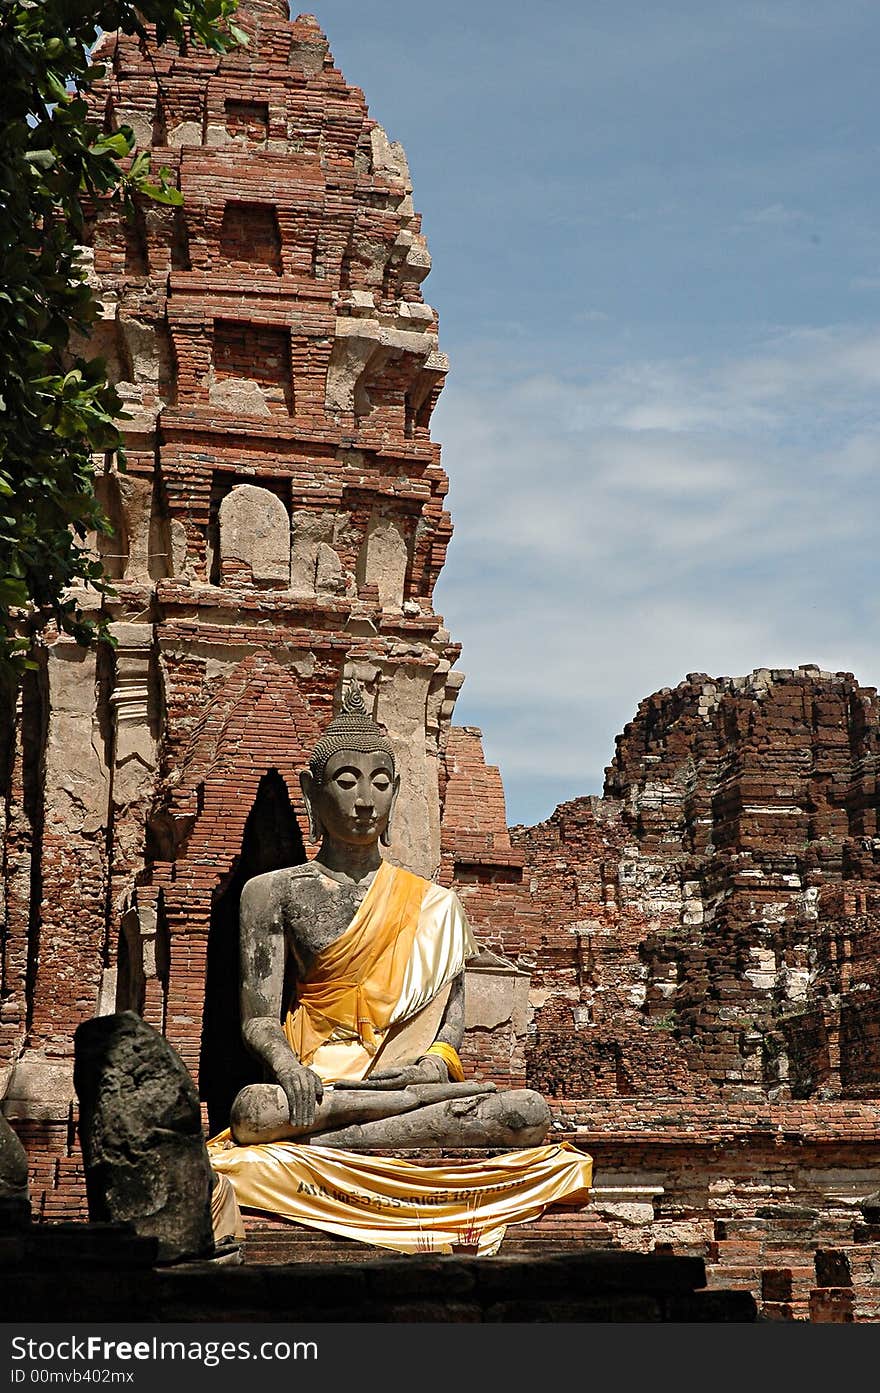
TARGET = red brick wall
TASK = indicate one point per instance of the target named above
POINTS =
(709, 927)
(296, 224)
(257, 352)
(249, 236)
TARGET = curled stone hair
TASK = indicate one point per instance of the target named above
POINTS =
(352, 729)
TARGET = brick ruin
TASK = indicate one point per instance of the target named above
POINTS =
(279, 528)
(686, 967)
(703, 946)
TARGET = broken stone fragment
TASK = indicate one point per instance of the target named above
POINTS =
(13, 1164)
(15, 1209)
(145, 1157)
(870, 1207)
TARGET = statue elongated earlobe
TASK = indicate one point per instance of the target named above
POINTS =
(385, 834)
(307, 784)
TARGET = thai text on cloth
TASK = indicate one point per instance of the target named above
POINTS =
(393, 1203)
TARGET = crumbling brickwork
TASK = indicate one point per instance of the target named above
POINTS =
(279, 528)
(718, 906)
(703, 949)
(709, 926)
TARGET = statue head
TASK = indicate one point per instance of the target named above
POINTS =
(351, 785)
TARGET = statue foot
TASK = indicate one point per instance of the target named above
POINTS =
(506, 1118)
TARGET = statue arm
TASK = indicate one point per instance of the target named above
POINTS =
(263, 955)
(428, 1068)
(451, 1030)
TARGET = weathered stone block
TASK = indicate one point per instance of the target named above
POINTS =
(140, 1130)
(15, 1208)
(13, 1164)
(255, 531)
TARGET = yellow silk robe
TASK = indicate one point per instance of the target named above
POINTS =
(407, 941)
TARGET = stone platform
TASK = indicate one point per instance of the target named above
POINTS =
(559, 1231)
(78, 1272)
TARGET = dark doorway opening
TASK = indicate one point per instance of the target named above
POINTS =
(271, 840)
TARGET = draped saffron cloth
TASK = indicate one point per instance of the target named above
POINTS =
(396, 1204)
(407, 941)
(382, 984)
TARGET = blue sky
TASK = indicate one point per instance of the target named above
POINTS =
(657, 267)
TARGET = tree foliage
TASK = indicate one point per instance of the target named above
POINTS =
(56, 411)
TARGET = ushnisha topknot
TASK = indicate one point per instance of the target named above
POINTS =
(352, 729)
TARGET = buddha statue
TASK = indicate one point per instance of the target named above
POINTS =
(367, 1056)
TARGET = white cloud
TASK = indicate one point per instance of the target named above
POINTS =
(590, 316)
(614, 534)
(774, 215)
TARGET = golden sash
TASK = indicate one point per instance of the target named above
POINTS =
(356, 982)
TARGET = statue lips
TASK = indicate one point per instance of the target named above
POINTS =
(367, 828)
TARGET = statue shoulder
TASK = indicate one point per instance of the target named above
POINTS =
(442, 900)
(275, 887)
(442, 908)
(441, 895)
(298, 881)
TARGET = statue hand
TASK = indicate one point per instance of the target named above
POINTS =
(429, 1069)
(304, 1091)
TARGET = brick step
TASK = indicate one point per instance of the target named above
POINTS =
(785, 1310)
(787, 1283)
(777, 1310)
(816, 1230)
(848, 1265)
(832, 1306)
(737, 1277)
(855, 1269)
(767, 1257)
(731, 1249)
(274, 1241)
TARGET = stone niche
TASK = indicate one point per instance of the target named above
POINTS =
(383, 560)
(315, 567)
(251, 370)
(254, 537)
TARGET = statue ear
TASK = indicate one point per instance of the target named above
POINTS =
(385, 834)
(307, 784)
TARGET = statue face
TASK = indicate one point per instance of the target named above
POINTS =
(356, 797)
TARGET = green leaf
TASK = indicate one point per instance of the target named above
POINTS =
(43, 159)
(56, 86)
(117, 144)
(162, 193)
(140, 165)
(13, 592)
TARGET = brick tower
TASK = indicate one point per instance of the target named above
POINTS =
(279, 528)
